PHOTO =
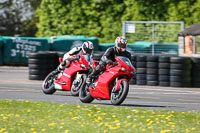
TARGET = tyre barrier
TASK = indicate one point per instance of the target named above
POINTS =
(40, 64)
(195, 72)
(159, 70)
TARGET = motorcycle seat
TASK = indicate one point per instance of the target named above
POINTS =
(94, 63)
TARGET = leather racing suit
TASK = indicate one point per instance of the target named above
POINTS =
(71, 55)
(107, 58)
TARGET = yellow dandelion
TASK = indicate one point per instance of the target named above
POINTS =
(137, 111)
(70, 113)
(2, 129)
(38, 104)
(42, 120)
(2, 114)
(147, 120)
(27, 101)
(82, 126)
(32, 129)
(142, 117)
(143, 129)
(187, 130)
(61, 105)
(113, 116)
(172, 126)
(78, 106)
(134, 125)
(52, 124)
(74, 118)
(98, 111)
(100, 118)
(43, 130)
(89, 115)
(116, 121)
(182, 112)
(95, 106)
(17, 115)
(96, 120)
(28, 110)
(105, 131)
(34, 132)
(66, 131)
(193, 129)
(62, 123)
(103, 113)
(5, 118)
(149, 127)
(153, 113)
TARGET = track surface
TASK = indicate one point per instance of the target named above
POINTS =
(14, 84)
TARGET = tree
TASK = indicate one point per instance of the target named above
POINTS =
(17, 17)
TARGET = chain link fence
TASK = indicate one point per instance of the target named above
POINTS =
(152, 36)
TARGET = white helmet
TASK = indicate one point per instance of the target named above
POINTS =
(87, 47)
(121, 43)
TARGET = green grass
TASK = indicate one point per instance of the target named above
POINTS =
(42, 117)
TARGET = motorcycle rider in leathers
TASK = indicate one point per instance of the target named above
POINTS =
(86, 48)
(109, 57)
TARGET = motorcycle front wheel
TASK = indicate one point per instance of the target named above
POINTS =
(48, 84)
(84, 94)
(117, 97)
(76, 84)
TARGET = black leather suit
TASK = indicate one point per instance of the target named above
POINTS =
(108, 58)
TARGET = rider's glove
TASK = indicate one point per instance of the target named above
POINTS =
(110, 62)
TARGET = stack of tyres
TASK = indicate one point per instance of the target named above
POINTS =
(41, 64)
(133, 61)
(141, 70)
(180, 72)
(152, 70)
(195, 72)
(163, 71)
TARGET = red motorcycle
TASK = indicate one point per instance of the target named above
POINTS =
(112, 84)
(70, 79)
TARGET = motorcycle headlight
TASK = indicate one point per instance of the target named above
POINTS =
(123, 69)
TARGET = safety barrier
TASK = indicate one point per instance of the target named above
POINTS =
(158, 70)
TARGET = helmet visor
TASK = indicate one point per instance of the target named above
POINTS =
(87, 50)
(122, 45)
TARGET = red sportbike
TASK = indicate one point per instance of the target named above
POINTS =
(70, 79)
(112, 84)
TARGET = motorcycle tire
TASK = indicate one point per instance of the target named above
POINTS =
(84, 94)
(118, 97)
(76, 88)
(50, 88)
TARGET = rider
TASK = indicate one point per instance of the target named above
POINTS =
(86, 48)
(109, 56)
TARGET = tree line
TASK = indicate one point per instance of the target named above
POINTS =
(100, 18)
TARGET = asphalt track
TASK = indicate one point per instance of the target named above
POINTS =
(14, 84)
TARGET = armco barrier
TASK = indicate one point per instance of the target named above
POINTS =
(17, 49)
(66, 43)
(1, 51)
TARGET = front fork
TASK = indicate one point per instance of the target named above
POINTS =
(118, 82)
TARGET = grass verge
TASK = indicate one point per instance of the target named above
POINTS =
(43, 117)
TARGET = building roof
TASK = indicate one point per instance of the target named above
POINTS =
(192, 30)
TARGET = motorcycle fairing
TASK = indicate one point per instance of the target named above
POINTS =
(102, 86)
(118, 83)
(67, 74)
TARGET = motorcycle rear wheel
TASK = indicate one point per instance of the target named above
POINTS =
(48, 84)
(84, 94)
(117, 97)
